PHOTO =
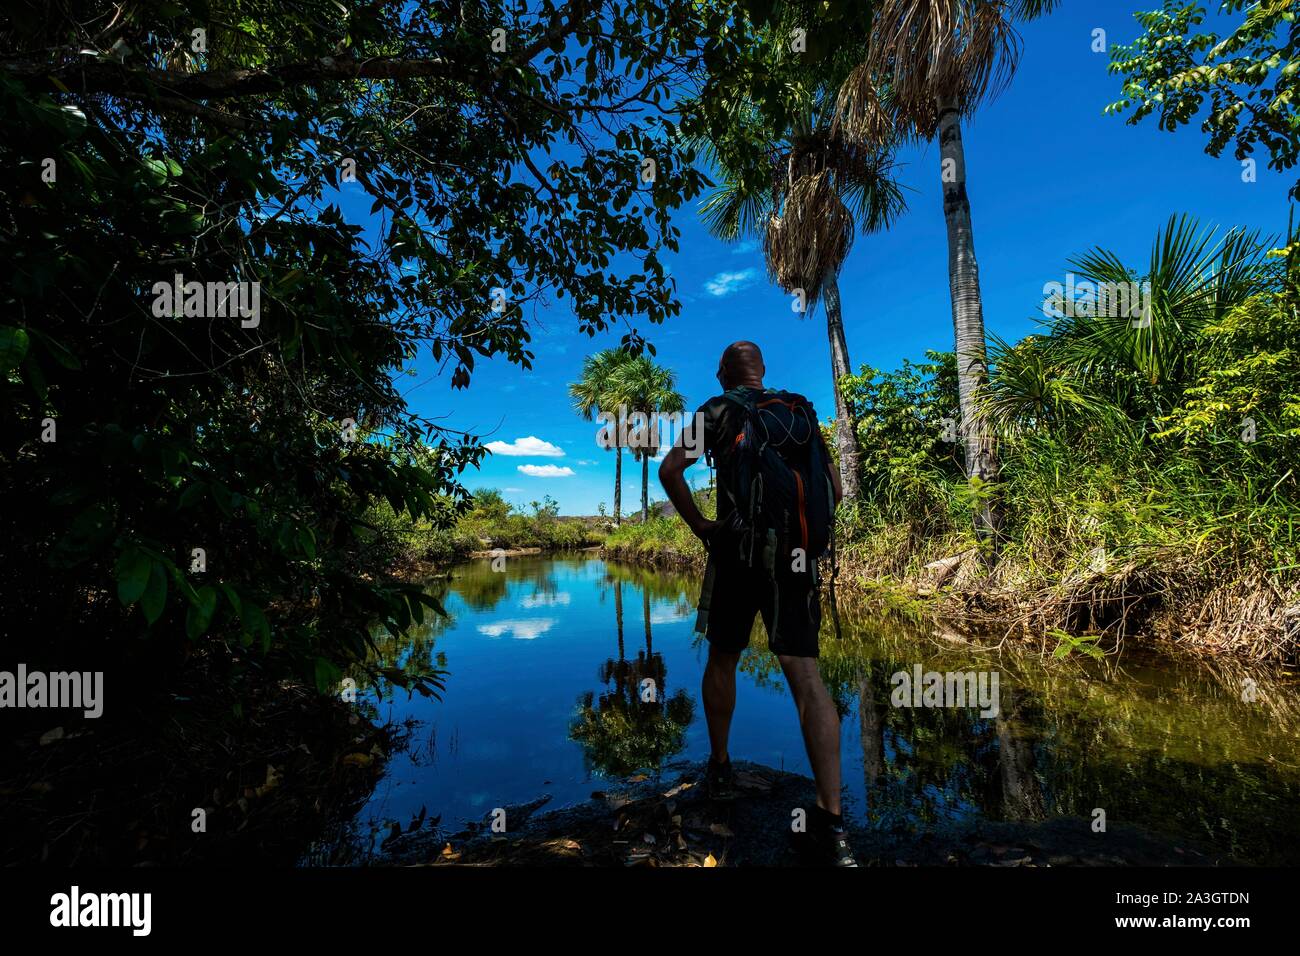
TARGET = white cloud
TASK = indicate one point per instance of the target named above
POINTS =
(586, 462)
(532, 447)
(669, 615)
(520, 629)
(726, 283)
(560, 598)
(515, 490)
(749, 245)
(545, 471)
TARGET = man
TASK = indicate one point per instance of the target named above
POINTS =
(735, 591)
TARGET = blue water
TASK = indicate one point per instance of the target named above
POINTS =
(545, 661)
(520, 665)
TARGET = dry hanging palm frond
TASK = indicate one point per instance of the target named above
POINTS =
(809, 242)
(932, 50)
(860, 115)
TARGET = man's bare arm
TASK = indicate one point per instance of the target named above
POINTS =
(671, 471)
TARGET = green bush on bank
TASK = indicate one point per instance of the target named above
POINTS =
(489, 522)
(1166, 442)
(662, 536)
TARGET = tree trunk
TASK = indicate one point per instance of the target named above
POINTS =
(618, 486)
(618, 615)
(968, 324)
(846, 432)
(645, 485)
(1022, 796)
(872, 719)
(645, 613)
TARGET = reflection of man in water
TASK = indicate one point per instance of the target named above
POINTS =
(734, 593)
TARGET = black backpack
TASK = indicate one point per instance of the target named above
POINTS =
(778, 478)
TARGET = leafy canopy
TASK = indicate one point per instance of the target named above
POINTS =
(399, 179)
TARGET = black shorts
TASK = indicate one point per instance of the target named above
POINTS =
(738, 592)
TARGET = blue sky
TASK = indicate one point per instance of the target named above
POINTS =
(1049, 178)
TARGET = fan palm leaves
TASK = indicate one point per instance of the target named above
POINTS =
(1191, 279)
(932, 51)
(1123, 344)
(1030, 388)
(814, 191)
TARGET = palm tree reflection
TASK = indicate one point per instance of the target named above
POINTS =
(635, 724)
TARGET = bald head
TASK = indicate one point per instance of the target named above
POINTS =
(741, 364)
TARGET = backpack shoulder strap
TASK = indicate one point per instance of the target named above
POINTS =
(741, 397)
(738, 399)
(791, 399)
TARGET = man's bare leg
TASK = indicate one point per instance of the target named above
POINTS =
(719, 692)
(820, 724)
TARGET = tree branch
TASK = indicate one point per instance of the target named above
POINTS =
(106, 76)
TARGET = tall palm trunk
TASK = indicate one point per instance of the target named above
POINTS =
(968, 321)
(645, 485)
(846, 437)
(1022, 795)
(872, 719)
(618, 615)
(618, 486)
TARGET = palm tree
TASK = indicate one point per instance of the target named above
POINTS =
(592, 394)
(645, 389)
(1100, 359)
(1192, 279)
(814, 193)
(935, 60)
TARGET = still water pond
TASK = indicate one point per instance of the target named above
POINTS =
(545, 663)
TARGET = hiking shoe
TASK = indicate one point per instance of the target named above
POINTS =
(719, 781)
(823, 846)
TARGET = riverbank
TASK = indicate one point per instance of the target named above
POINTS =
(490, 528)
(1166, 597)
(669, 822)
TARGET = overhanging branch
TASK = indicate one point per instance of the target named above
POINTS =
(106, 76)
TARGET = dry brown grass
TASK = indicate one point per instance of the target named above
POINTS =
(1236, 611)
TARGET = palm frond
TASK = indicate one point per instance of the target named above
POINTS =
(735, 210)
(1029, 389)
(1033, 9)
(932, 50)
(1191, 280)
(864, 112)
(875, 201)
(811, 237)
